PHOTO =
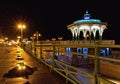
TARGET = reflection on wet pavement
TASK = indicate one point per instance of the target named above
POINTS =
(16, 72)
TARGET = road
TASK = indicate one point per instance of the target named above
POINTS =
(40, 74)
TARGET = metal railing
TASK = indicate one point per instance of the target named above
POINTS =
(71, 73)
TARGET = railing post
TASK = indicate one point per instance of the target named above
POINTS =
(53, 57)
(67, 73)
(100, 39)
(96, 64)
(21, 45)
(41, 50)
(31, 48)
(34, 49)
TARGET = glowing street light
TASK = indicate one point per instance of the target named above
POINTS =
(60, 38)
(37, 35)
(18, 37)
(21, 27)
(6, 38)
(32, 37)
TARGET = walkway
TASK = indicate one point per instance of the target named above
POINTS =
(41, 75)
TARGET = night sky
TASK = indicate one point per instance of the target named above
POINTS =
(51, 17)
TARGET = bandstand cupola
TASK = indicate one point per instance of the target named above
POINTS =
(87, 25)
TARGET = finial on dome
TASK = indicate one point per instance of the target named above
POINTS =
(86, 15)
(86, 11)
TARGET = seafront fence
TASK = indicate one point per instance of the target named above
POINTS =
(46, 52)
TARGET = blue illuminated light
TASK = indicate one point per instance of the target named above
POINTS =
(67, 49)
(85, 51)
(88, 20)
(87, 15)
(67, 52)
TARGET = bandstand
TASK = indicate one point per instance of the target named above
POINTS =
(88, 27)
(92, 29)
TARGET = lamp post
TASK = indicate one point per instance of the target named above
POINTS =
(60, 38)
(32, 37)
(21, 27)
(37, 35)
(6, 40)
(18, 37)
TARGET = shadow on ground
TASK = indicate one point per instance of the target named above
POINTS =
(15, 72)
(27, 82)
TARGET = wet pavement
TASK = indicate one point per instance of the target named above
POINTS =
(34, 72)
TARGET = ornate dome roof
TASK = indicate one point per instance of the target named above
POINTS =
(87, 18)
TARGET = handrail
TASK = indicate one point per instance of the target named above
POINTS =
(70, 75)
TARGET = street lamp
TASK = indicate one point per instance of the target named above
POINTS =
(37, 35)
(21, 27)
(18, 37)
(32, 37)
(60, 38)
(6, 40)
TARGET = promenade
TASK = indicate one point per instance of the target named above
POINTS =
(36, 72)
(40, 75)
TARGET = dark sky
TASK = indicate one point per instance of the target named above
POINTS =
(51, 17)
